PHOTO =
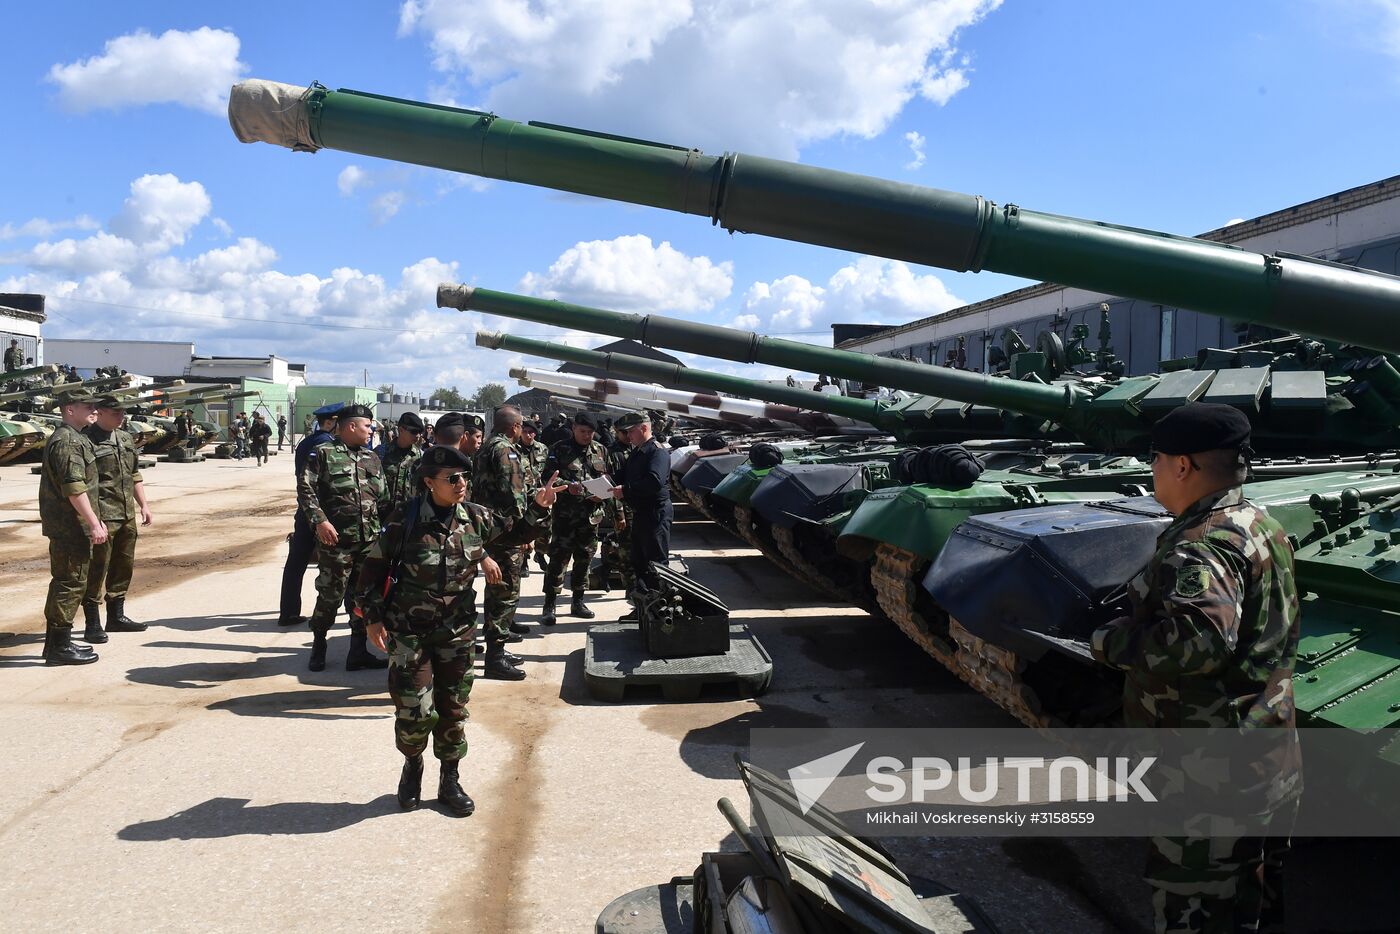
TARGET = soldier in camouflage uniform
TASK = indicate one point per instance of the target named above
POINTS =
(68, 516)
(618, 453)
(426, 559)
(1211, 642)
(340, 491)
(498, 483)
(535, 456)
(399, 458)
(576, 515)
(121, 502)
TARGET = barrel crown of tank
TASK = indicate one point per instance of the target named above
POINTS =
(837, 209)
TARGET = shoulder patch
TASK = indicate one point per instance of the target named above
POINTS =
(1192, 580)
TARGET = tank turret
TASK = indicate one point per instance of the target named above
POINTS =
(808, 204)
(27, 373)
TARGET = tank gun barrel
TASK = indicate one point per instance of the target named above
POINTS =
(808, 204)
(798, 403)
(627, 396)
(1055, 403)
(13, 375)
(104, 382)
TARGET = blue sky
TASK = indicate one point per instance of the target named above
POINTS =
(129, 202)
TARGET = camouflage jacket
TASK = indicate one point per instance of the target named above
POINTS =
(575, 464)
(439, 560)
(1213, 634)
(343, 487)
(498, 477)
(400, 476)
(70, 467)
(117, 473)
(535, 456)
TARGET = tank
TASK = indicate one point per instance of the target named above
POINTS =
(808, 204)
(28, 373)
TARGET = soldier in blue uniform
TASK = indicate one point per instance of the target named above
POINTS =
(301, 544)
(645, 486)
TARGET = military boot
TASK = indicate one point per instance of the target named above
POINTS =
(450, 791)
(359, 657)
(524, 568)
(411, 783)
(318, 652)
(92, 630)
(512, 657)
(520, 629)
(118, 621)
(60, 650)
(578, 608)
(498, 668)
(542, 561)
(548, 615)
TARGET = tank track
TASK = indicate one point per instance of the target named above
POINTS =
(743, 518)
(783, 538)
(990, 670)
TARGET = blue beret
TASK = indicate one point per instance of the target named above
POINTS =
(326, 411)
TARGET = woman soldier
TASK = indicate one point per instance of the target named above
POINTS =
(417, 599)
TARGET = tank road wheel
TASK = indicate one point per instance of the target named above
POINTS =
(787, 544)
(997, 674)
(895, 577)
(743, 518)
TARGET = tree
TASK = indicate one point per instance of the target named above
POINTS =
(451, 398)
(488, 397)
(385, 387)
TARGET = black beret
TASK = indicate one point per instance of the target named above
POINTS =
(630, 420)
(442, 456)
(530, 425)
(713, 442)
(586, 419)
(411, 421)
(450, 420)
(355, 411)
(1200, 426)
(474, 423)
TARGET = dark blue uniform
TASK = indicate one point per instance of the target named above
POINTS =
(303, 542)
(646, 489)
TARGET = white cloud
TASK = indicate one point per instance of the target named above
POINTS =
(350, 178)
(41, 227)
(916, 143)
(194, 68)
(222, 226)
(161, 211)
(781, 74)
(386, 206)
(632, 273)
(870, 290)
(89, 255)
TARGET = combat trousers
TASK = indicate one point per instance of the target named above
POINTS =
(430, 679)
(572, 540)
(1220, 884)
(502, 598)
(650, 541)
(68, 573)
(299, 552)
(113, 562)
(339, 567)
(624, 553)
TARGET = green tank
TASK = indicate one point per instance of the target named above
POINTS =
(808, 204)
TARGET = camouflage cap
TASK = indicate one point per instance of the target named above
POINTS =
(630, 420)
(110, 402)
(74, 396)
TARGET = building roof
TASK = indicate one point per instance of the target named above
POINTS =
(629, 347)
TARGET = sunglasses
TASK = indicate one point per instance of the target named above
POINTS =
(453, 478)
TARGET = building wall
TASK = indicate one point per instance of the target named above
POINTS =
(1359, 227)
(149, 358)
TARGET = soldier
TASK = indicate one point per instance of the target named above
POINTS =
(576, 515)
(645, 485)
(68, 516)
(400, 459)
(536, 454)
(14, 357)
(259, 434)
(301, 544)
(121, 502)
(281, 430)
(429, 613)
(498, 483)
(340, 491)
(1211, 642)
(618, 452)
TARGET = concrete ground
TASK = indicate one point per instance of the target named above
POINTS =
(199, 777)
